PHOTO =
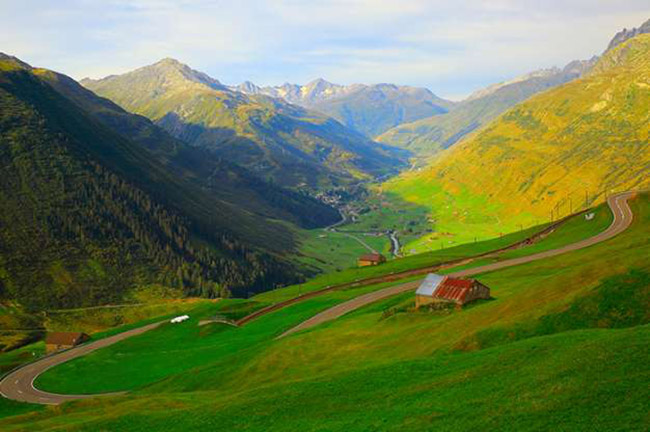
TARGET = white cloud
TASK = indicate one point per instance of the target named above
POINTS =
(452, 47)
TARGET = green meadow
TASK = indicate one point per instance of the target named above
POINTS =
(573, 327)
(334, 251)
(575, 229)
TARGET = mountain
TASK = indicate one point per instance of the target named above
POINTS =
(368, 109)
(273, 139)
(554, 153)
(626, 34)
(430, 135)
(227, 181)
(94, 200)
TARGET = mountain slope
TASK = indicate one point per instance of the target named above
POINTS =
(86, 213)
(430, 135)
(626, 34)
(273, 139)
(368, 109)
(546, 156)
(224, 180)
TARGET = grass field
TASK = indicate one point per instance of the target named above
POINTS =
(563, 345)
(335, 251)
(142, 360)
(577, 228)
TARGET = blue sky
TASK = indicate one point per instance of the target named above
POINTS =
(452, 47)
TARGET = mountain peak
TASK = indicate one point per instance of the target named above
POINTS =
(14, 60)
(170, 61)
(626, 34)
(248, 87)
(175, 70)
(319, 81)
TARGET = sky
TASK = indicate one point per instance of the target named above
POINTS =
(452, 47)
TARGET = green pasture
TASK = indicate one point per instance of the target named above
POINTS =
(562, 345)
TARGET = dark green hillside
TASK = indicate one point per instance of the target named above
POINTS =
(86, 213)
(226, 180)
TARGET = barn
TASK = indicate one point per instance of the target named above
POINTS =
(438, 288)
(58, 341)
(371, 259)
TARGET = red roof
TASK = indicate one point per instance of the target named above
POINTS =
(65, 338)
(454, 289)
(373, 257)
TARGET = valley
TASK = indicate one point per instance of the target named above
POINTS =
(267, 327)
(190, 250)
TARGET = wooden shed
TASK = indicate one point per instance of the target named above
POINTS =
(371, 259)
(438, 288)
(58, 341)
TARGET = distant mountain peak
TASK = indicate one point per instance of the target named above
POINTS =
(626, 34)
(170, 61)
(319, 82)
(174, 71)
(248, 87)
(15, 60)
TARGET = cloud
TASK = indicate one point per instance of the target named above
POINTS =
(451, 47)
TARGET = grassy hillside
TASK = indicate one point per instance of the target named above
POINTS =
(274, 139)
(545, 157)
(430, 135)
(574, 328)
(86, 213)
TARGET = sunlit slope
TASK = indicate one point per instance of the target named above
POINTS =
(433, 134)
(549, 154)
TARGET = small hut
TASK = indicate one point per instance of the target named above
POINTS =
(437, 288)
(371, 259)
(58, 341)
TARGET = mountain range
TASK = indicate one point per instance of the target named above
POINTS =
(626, 34)
(95, 200)
(274, 139)
(430, 135)
(556, 152)
(368, 109)
(166, 175)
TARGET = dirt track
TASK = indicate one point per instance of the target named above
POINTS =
(622, 219)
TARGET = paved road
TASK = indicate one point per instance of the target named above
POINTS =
(622, 219)
(396, 276)
(19, 384)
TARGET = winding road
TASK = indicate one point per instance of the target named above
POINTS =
(622, 219)
(19, 384)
